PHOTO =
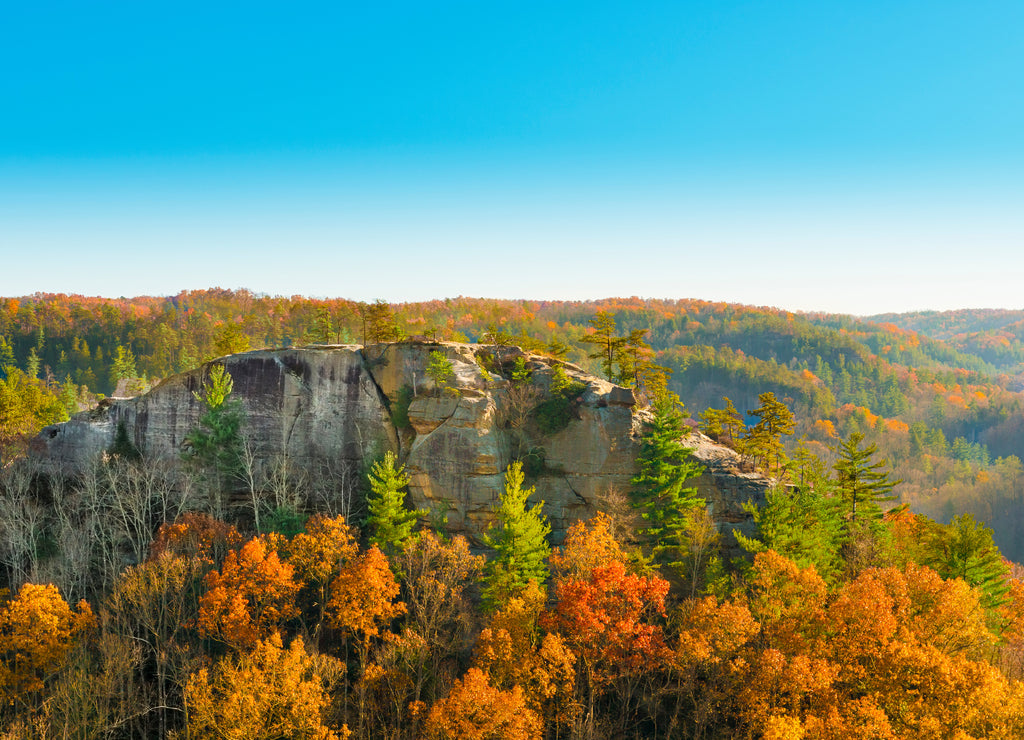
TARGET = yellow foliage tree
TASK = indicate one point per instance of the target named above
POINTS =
(37, 630)
(272, 692)
(513, 652)
(318, 554)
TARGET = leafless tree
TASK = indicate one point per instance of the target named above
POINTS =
(22, 523)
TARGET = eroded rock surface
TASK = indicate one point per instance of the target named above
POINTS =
(338, 404)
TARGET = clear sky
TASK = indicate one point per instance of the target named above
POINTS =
(813, 155)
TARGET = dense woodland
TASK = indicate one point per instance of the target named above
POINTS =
(148, 600)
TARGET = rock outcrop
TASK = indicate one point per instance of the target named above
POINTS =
(343, 405)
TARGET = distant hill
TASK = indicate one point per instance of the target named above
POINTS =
(994, 335)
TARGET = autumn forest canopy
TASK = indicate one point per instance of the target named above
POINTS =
(879, 596)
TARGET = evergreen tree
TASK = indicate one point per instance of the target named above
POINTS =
(217, 442)
(230, 340)
(964, 549)
(69, 396)
(32, 364)
(634, 358)
(519, 540)
(123, 446)
(554, 413)
(763, 441)
(659, 491)
(322, 327)
(804, 525)
(389, 522)
(861, 482)
(608, 346)
(557, 348)
(123, 365)
(725, 426)
(440, 370)
(6, 356)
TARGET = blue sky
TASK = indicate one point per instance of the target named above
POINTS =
(852, 157)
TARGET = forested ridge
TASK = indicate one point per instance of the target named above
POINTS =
(945, 412)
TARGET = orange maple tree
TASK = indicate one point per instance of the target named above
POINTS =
(249, 597)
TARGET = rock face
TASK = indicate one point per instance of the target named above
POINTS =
(346, 404)
(308, 403)
(726, 487)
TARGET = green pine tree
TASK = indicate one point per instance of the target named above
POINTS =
(32, 364)
(6, 356)
(519, 539)
(659, 489)
(389, 522)
(964, 549)
(634, 358)
(123, 365)
(725, 426)
(608, 346)
(69, 396)
(763, 441)
(216, 443)
(803, 524)
(862, 484)
(440, 370)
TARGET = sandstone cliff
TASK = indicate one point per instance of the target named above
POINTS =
(338, 406)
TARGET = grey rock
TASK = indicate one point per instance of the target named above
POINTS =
(333, 404)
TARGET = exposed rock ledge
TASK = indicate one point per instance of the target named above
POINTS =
(334, 404)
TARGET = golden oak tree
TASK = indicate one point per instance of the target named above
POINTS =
(514, 651)
(270, 692)
(318, 554)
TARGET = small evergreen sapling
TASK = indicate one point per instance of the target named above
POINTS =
(440, 370)
(217, 442)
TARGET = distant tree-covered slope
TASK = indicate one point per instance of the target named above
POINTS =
(994, 335)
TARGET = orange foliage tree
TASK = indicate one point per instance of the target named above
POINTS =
(362, 603)
(196, 535)
(607, 616)
(249, 597)
(474, 710)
